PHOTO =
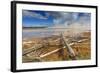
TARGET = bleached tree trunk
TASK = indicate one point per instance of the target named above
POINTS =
(69, 49)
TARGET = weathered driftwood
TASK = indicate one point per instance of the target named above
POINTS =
(44, 55)
(69, 49)
(39, 46)
(33, 48)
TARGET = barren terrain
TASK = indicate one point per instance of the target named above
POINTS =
(51, 48)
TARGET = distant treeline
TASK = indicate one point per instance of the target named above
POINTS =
(32, 27)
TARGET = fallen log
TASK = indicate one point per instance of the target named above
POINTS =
(69, 49)
(33, 48)
(49, 53)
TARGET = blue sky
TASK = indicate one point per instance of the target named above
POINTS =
(33, 18)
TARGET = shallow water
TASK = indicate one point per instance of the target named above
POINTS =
(47, 32)
(29, 33)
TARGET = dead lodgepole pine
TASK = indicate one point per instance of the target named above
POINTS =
(69, 49)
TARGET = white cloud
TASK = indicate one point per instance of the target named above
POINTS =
(69, 19)
(64, 19)
(33, 14)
